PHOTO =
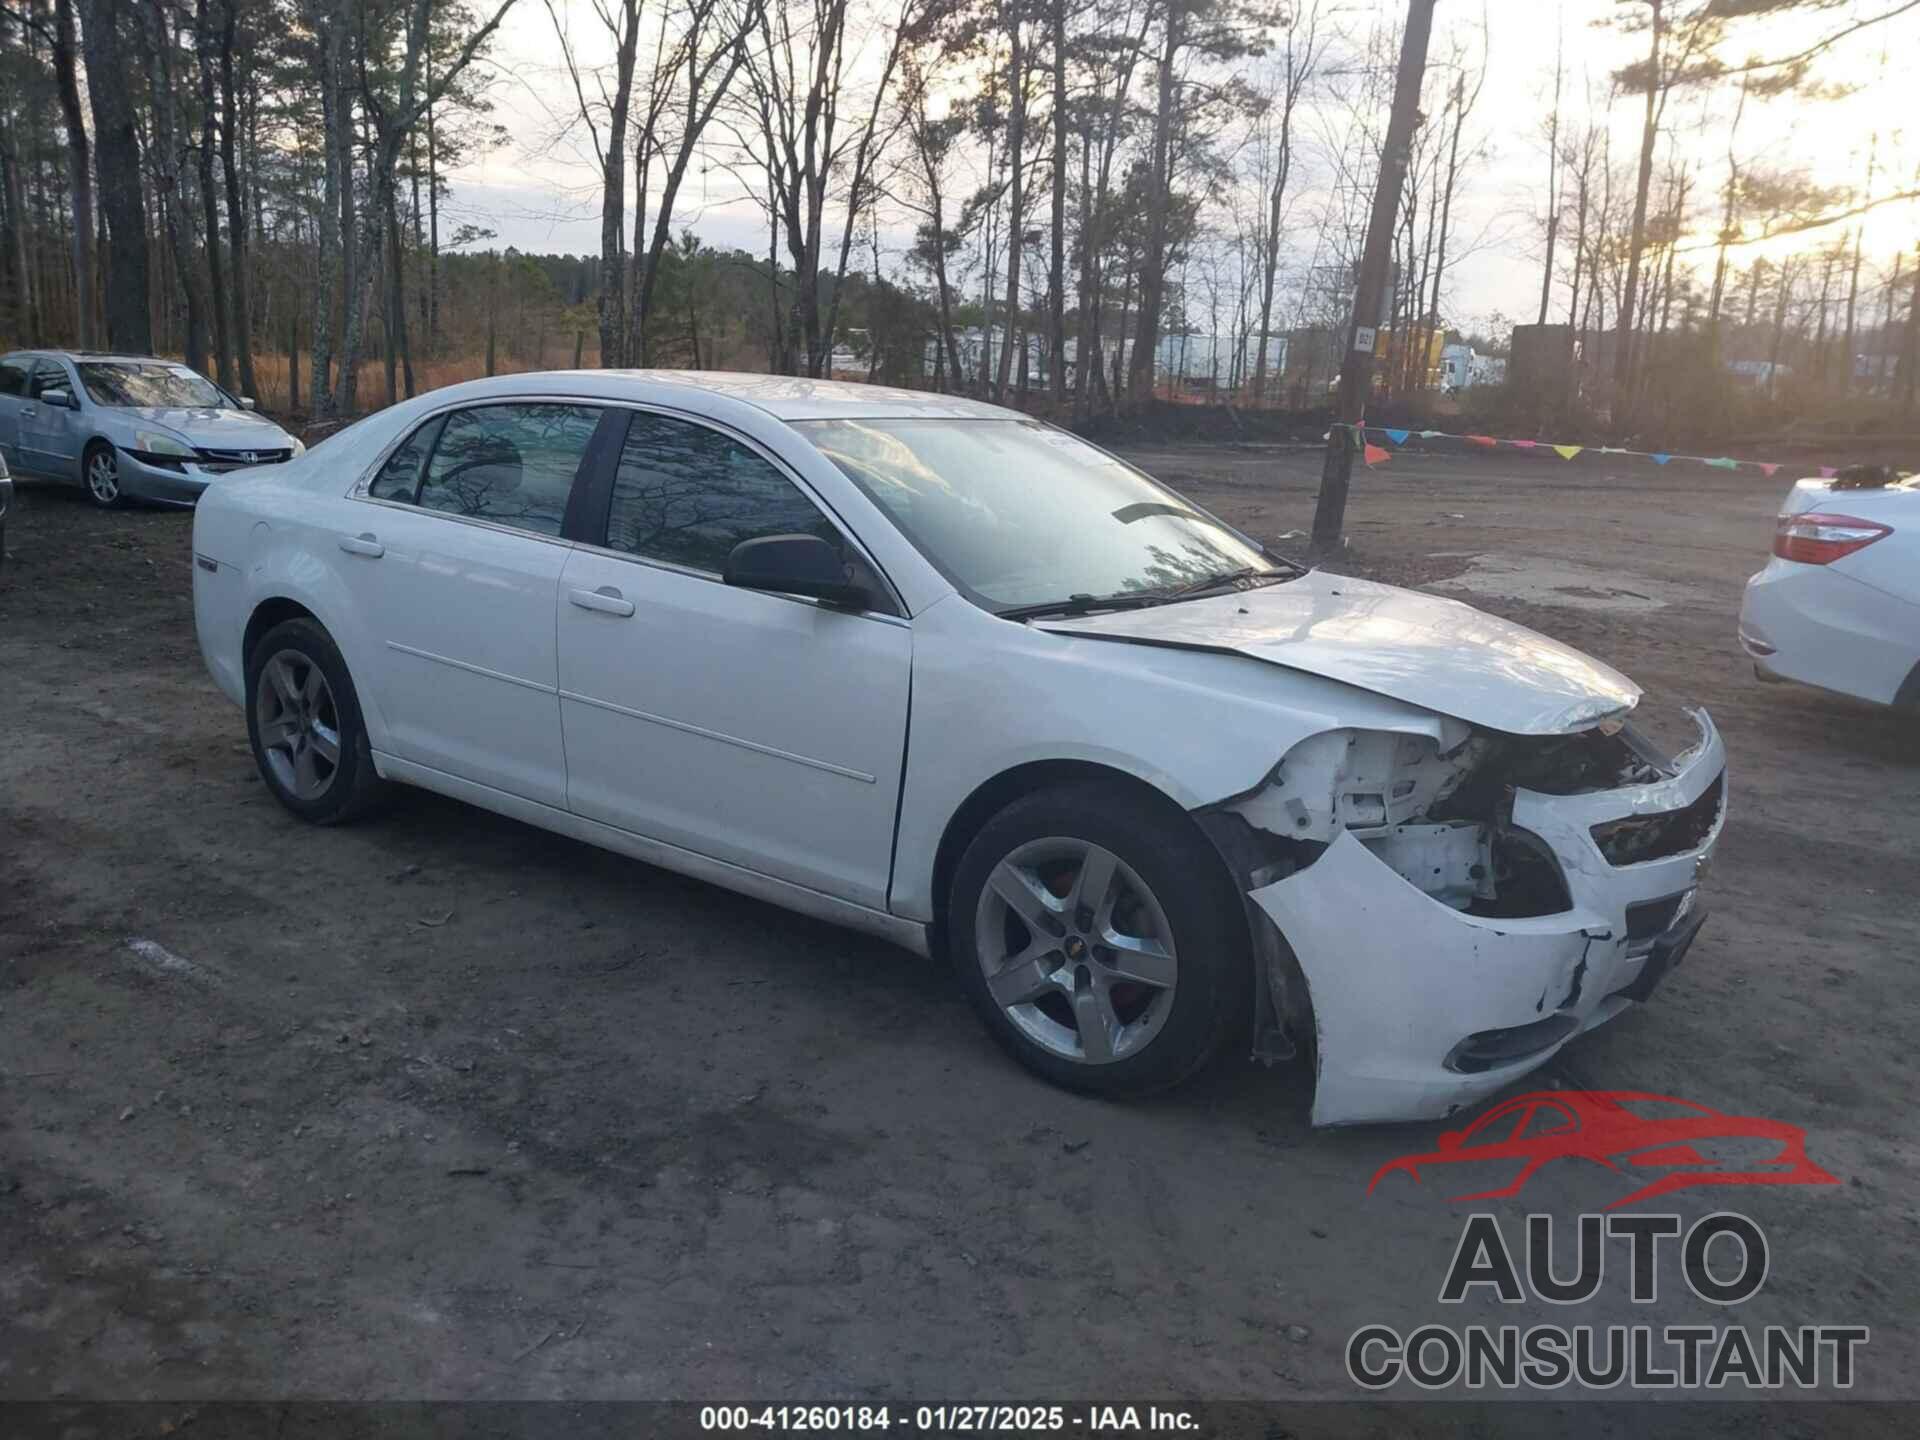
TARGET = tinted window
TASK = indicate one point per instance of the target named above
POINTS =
(687, 495)
(511, 464)
(49, 375)
(399, 478)
(13, 377)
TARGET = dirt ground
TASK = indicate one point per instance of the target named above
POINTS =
(440, 1106)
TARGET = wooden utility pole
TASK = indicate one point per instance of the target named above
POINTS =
(1356, 371)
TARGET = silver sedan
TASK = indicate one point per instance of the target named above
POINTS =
(128, 426)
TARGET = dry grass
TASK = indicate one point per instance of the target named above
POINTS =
(270, 375)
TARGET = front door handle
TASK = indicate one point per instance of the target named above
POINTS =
(362, 544)
(607, 600)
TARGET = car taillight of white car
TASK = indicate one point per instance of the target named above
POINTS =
(1819, 537)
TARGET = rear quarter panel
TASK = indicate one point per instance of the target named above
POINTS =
(271, 535)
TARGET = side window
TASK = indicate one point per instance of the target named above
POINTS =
(511, 464)
(399, 478)
(13, 377)
(687, 495)
(48, 375)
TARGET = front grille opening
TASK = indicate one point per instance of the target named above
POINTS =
(1486, 1049)
(1654, 837)
(1527, 879)
(1652, 918)
(218, 460)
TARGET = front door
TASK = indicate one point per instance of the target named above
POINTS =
(457, 555)
(50, 434)
(764, 730)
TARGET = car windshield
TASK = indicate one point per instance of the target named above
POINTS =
(136, 383)
(1019, 514)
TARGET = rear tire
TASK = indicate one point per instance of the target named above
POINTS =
(1100, 939)
(305, 726)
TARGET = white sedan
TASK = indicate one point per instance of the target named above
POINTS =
(936, 671)
(1838, 605)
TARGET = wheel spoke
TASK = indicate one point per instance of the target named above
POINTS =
(1025, 977)
(306, 776)
(1094, 1018)
(315, 688)
(278, 733)
(326, 744)
(1095, 887)
(1030, 900)
(280, 676)
(1140, 959)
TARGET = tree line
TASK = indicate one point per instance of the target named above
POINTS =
(1076, 203)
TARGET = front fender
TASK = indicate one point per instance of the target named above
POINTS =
(1197, 726)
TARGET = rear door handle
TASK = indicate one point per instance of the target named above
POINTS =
(607, 600)
(362, 544)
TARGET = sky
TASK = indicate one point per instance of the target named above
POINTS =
(540, 191)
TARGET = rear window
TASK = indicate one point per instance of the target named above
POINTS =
(13, 377)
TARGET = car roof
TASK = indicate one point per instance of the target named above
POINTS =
(114, 355)
(785, 397)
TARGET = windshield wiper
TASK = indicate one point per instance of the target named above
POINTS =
(1084, 605)
(1227, 578)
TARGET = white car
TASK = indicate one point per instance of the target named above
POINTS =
(1838, 605)
(936, 671)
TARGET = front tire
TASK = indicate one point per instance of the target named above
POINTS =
(305, 726)
(1100, 939)
(100, 470)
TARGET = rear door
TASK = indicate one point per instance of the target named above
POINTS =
(764, 730)
(455, 559)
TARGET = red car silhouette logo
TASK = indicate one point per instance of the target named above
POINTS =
(1680, 1144)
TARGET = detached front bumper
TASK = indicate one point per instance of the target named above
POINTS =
(1420, 1009)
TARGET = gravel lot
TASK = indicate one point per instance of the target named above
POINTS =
(442, 1106)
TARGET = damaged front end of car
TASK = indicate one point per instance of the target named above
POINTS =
(1436, 914)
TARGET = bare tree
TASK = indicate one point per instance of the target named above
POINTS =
(1299, 59)
(621, 21)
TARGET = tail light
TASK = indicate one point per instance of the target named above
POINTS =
(1819, 537)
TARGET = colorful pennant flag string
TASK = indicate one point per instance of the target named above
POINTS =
(1378, 454)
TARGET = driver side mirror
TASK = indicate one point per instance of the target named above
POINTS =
(246, 402)
(794, 565)
(60, 398)
(1450, 1140)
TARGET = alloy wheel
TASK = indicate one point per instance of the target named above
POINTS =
(298, 723)
(103, 476)
(1076, 950)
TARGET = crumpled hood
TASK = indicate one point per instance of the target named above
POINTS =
(1420, 649)
(215, 429)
